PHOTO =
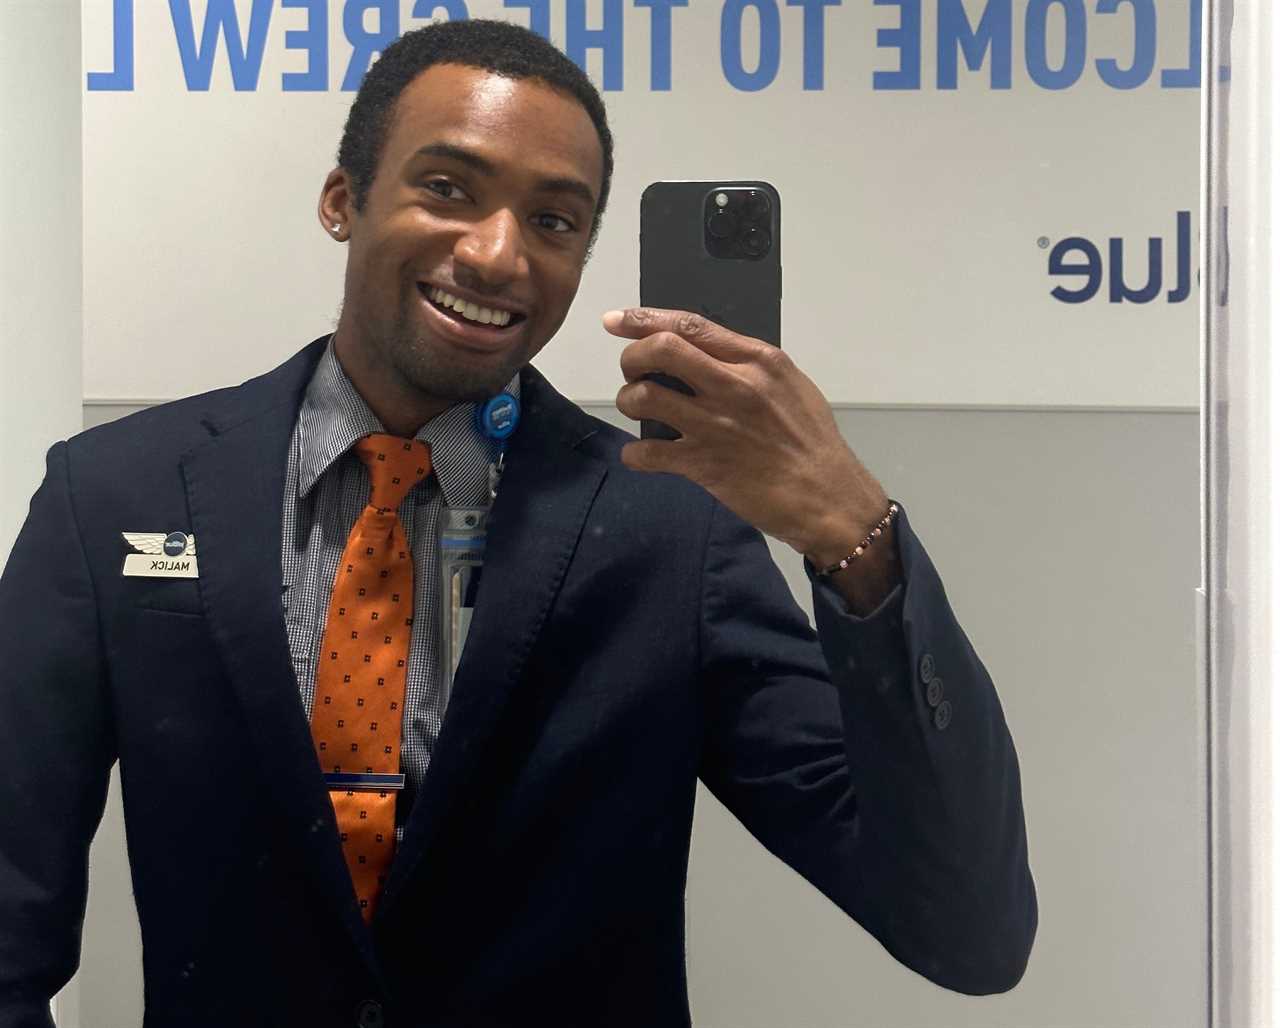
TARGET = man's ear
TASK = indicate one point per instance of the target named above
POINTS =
(336, 208)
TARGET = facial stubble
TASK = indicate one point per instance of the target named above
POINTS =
(439, 376)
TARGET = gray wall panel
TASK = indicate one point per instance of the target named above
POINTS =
(1069, 545)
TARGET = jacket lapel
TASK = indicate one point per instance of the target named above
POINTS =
(546, 492)
(235, 491)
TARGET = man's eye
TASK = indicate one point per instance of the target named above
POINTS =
(441, 187)
(555, 223)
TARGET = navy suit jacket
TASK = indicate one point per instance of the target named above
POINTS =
(631, 636)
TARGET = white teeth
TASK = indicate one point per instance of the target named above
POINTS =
(470, 311)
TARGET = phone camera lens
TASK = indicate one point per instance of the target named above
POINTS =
(722, 224)
(757, 205)
(755, 241)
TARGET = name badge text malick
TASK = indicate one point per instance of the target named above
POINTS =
(160, 555)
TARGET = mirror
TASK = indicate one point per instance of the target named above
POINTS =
(990, 233)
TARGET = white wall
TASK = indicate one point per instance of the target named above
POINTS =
(40, 248)
(40, 253)
(918, 223)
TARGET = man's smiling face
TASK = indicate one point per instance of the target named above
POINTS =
(485, 190)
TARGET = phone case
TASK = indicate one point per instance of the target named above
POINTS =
(678, 272)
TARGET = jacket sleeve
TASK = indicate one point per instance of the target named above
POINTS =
(56, 750)
(906, 814)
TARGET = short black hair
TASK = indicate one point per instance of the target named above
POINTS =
(495, 46)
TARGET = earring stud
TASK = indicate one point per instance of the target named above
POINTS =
(337, 227)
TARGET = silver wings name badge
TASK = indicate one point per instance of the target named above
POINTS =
(161, 555)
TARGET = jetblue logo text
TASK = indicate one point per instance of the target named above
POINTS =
(1127, 281)
(977, 43)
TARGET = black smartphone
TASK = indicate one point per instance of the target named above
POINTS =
(714, 248)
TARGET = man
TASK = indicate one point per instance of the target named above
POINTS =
(631, 634)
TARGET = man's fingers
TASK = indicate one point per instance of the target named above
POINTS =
(655, 455)
(706, 335)
(669, 354)
(645, 399)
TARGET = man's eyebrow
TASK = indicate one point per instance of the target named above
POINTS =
(572, 186)
(457, 153)
(449, 151)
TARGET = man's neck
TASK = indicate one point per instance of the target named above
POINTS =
(402, 409)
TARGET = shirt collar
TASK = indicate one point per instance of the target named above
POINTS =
(334, 415)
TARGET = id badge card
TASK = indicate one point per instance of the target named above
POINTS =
(463, 531)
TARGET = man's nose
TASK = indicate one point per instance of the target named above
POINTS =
(493, 248)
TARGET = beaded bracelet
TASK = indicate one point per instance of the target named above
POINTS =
(861, 547)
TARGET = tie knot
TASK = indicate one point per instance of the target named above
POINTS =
(395, 466)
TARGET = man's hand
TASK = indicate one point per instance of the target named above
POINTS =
(759, 436)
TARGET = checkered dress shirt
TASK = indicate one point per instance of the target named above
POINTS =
(326, 488)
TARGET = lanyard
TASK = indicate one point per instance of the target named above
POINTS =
(463, 534)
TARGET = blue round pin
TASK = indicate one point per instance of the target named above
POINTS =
(497, 418)
(175, 544)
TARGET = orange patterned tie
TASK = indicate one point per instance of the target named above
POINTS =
(360, 676)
